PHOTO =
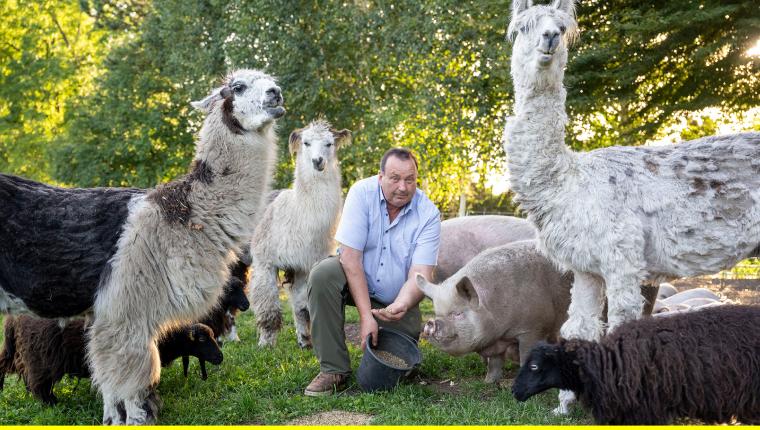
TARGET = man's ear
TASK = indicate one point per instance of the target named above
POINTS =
(294, 143)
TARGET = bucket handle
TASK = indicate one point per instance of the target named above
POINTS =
(400, 333)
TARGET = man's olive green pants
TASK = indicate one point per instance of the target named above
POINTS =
(328, 297)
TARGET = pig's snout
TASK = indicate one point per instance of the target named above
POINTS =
(432, 327)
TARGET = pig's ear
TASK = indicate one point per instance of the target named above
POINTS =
(466, 290)
(426, 287)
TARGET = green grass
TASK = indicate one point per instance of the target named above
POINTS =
(265, 386)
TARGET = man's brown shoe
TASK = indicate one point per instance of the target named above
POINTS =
(326, 384)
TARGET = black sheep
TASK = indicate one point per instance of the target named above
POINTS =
(42, 352)
(703, 365)
(233, 300)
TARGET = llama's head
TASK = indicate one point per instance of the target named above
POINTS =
(247, 101)
(316, 144)
(540, 35)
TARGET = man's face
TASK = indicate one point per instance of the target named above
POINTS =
(399, 181)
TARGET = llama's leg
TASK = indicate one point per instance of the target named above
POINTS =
(584, 320)
(113, 414)
(624, 299)
(299, 302)
(566, 398)
(584, 316)
(265, 302)
(233, 334)
(124, 364)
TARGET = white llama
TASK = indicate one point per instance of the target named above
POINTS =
(619, 216)
(296, 230)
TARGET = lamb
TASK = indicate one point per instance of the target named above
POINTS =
(700, 365)
(621, 216)
(465, 237)
(502, 302)
(296, 230)
(42, 352)
(234, 299)
(141, 261)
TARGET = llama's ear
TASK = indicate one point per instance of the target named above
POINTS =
(519, 6)
(466, 290)
(294, 143)
(567, 6)
(206, 104)
(342, 138)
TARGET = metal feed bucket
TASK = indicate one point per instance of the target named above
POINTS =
(376, 371)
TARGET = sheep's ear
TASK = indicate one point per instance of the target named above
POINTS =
(206, 104)
(294, 142)
(520, 6)
(467, 291)
(567, 6)
(342, 138)
(428, 289)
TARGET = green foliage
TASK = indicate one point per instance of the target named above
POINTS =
(640, 64)
(49, 55)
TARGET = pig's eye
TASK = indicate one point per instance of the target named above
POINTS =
(458, 315)
(533, 367)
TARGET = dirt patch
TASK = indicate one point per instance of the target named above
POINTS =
(333, 418)
(353, 335)
(742, 291)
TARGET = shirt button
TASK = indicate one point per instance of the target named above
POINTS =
(383, 247)
(377, 280)
(381, 264)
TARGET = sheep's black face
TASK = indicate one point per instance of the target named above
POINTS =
(540, 372)
(235, 296)
(204, 344)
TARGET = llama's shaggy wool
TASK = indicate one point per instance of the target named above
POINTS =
(56, 244)
(143, 261)
(296, 230)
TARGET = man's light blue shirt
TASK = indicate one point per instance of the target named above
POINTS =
(389, 249)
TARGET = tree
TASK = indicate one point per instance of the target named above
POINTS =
(49, 54)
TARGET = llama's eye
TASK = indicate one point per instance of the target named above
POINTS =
(523, 29)
(202, 339)
(328, 145)
(239, 88)
(306, 144)
(533, 367)
(562, 29)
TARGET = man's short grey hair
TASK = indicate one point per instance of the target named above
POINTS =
(400, 153)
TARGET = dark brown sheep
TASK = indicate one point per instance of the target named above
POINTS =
(234, 299)
(41, 352)
(703, 365)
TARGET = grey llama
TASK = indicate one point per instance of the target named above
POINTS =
(178, 242)
(619, 216)
(296, 230)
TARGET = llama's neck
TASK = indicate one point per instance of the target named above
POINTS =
(240, 168)
(317, 189)
(540, 163)
(240, 155)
